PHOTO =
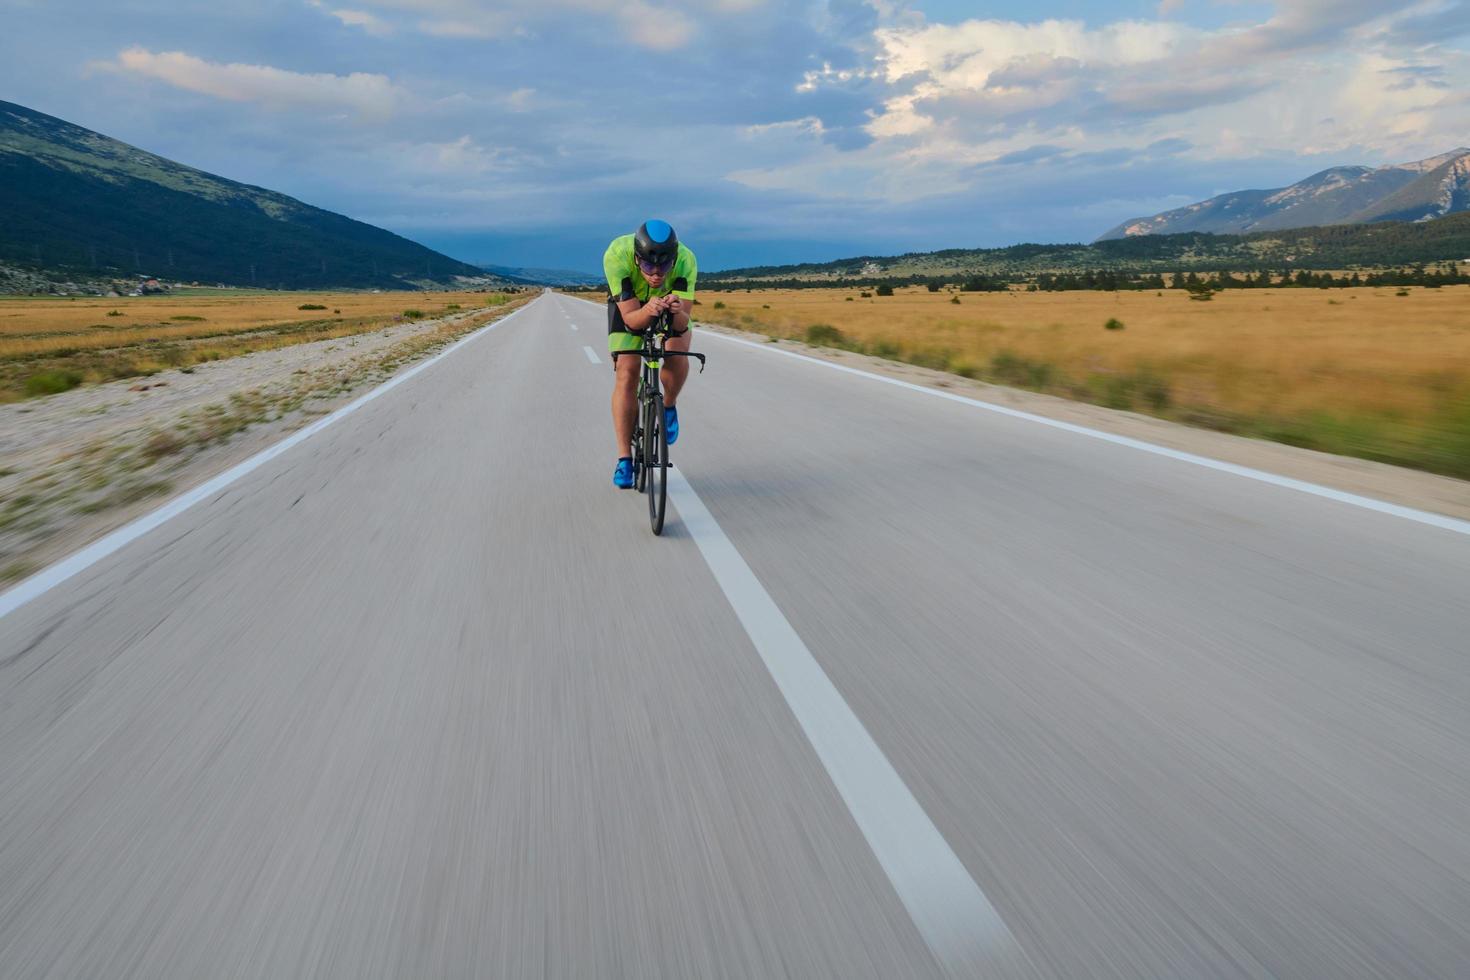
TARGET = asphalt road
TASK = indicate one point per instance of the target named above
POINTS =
(907, 689)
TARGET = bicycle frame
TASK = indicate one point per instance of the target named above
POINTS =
(650, 450)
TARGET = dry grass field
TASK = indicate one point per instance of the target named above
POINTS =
(1362, 372)
(50, 344)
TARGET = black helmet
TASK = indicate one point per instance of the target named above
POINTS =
(655, 244)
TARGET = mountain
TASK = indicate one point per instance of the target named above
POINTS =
(543, 277)
(1391, 244)
(82, 205)
(1415, 191)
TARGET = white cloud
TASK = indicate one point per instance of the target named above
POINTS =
(964, 56)
(369, 22)
(656, 24)
(359, 93)
(462, 157)
(1334, 77)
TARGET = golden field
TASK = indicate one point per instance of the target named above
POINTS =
(1362, 372)
(48, 344)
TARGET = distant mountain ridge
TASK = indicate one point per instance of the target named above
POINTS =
(77, 201)
(543, 277)
(1386, 244)
(1416, 191)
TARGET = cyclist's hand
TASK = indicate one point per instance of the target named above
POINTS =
(676, 304)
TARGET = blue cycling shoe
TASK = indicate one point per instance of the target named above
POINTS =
(623, 475)
(671, 423)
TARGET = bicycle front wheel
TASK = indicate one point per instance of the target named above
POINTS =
(640, 439)
(657, 464)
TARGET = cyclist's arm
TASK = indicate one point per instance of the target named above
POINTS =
(682, 296)
(637, 315)
(683, 311)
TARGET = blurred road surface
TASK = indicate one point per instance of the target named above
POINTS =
(422, 696)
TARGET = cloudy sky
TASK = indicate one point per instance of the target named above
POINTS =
(528, 132)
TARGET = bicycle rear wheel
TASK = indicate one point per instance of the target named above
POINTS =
(657, 465)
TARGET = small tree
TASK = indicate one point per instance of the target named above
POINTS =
(885, 290)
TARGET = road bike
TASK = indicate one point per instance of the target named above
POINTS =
(650, 441)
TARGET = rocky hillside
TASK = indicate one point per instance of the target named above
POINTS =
(81, 206)
(1415, 191)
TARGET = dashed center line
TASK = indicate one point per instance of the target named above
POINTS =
(591, 354)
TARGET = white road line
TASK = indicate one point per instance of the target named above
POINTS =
(572, 325)
(953, 915)
(591, 354)
(53, 575)
(1367, 503)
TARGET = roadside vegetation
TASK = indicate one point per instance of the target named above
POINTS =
(52, 344)
(1378, 373)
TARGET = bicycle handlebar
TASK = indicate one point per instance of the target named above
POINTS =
(668, 353)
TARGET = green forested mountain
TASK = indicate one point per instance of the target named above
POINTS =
(1384, 244)
(77, 203)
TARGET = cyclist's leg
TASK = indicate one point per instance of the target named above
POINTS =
(676, 369)
(625, 383)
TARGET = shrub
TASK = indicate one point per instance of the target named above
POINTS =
(116, 313)
(865, 294)
(719, 305)
(885, 290)
(414, 314)
(937, 359)
(311, 306)
(187, 318)
(162, 444)
(849, 299)
(448, 309)
(1113, 324)
(1402, 292)
(1121, 391)
(338, 312)
(963, 367)
(765, 306)
(955, 300)
(1013, 369)
(1202, 297)
(1154, 389)
(52, 382)
(824, 333)
(933, 287)
(886, 348)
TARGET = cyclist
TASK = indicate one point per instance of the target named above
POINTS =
(642, 271)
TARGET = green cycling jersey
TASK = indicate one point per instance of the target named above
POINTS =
(625, 281)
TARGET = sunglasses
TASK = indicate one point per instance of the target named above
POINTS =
(655, 267)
